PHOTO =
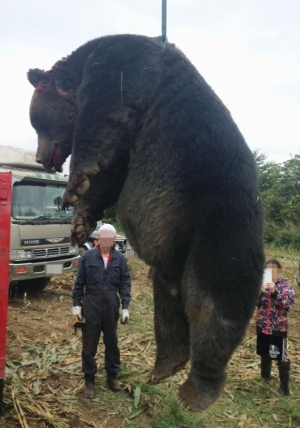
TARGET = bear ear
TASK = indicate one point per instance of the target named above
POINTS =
(35, 76)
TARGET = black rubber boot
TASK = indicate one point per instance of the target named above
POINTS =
(284, 376)
(113, 384)
(89, 388)
(265, 368)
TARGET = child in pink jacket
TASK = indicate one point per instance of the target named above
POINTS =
(276, 299)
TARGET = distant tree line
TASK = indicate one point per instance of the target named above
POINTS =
(279, 185)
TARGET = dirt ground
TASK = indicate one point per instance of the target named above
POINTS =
(44, 379)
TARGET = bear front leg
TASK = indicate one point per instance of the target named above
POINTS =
(83, 224)
(88, 210)
(84, 166)
(171, 330)
(78, 185)
(103, 193)
(100, 144)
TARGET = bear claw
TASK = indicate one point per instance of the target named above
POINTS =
(77, 187)
(153, 380)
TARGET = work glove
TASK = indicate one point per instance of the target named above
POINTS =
(76, 310)
(125, 316)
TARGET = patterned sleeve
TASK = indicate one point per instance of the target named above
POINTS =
(285, 297)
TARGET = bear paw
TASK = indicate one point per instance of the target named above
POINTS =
(82, 228)
(165, 368)
(196, 400)
(77, 187)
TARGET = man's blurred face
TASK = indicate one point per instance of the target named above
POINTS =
(106, 239)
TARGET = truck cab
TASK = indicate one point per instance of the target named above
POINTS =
(40, 230)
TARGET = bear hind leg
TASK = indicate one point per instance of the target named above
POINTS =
(171, 329)
(207, 375)
(219, 309)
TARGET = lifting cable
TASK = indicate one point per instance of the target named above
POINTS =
(164, 23)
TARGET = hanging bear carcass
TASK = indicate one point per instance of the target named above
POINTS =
(145, 130)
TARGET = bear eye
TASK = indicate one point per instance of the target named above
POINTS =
(63, 88)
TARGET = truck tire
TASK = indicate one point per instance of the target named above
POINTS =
(37, 284)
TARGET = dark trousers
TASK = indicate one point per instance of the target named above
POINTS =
(101, 312)
(273, 346)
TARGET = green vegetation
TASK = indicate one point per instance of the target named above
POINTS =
(280, 191)
(174, 416)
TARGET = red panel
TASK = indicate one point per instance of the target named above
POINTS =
(5, 212)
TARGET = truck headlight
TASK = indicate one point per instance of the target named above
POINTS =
(74, 250)
(20, 254)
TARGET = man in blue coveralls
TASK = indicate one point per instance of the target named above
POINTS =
(102, 277)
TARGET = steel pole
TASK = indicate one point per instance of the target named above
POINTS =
(164, 22)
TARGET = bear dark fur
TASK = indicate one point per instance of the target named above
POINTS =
(147, 131)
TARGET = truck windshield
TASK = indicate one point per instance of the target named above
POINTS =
(39, 200)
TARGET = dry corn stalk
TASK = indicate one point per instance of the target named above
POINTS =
(19, 411)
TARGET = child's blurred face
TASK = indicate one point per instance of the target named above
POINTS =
(276, 272)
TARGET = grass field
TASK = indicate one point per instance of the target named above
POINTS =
(44, 379)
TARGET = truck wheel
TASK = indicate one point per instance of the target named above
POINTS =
(37, 284)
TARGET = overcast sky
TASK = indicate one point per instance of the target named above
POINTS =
(247, 50)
